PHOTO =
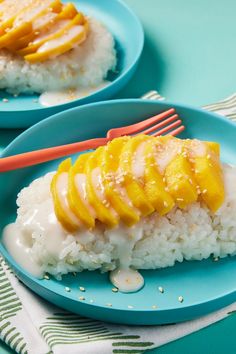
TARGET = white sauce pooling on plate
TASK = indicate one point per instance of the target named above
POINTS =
(127, 280)
(53, 98)
(123, 277)
(19, 250)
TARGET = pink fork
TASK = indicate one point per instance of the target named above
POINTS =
(165, 122)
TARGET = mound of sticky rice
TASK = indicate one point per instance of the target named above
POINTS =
(84, 66)
(157, 241)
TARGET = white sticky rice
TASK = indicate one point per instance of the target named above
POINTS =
(84, 66)
(160, 241)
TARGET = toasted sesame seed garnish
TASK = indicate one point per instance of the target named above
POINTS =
(204, 191)
(82, 298)
(81, 288)
(67, 289)
(154, 306)
(160, 288)
(5, 100)
(216, 259)
(130, 307)
(109, 305)
(114, 290)
(208, 156)
(180, 299)
(179, 199)
(46, 277)
(165, 204)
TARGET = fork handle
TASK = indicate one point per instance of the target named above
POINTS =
(38, 156)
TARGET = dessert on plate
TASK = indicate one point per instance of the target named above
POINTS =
(136, 203)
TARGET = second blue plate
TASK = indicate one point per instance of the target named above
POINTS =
(24, 110)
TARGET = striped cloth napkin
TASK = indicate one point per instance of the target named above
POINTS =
(30, 325)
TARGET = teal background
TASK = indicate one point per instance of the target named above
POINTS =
(189, 57)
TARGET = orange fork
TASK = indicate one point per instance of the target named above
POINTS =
(166, 122)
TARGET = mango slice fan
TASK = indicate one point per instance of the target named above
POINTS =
(133, 177)
(39, 30)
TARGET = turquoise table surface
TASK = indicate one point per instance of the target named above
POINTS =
(189, 57)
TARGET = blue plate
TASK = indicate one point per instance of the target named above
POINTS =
(205, 286)
(24, 110)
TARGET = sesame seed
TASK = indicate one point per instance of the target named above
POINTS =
(180, 298)
(74, 274)
(179, 199)
(114, 290)
(154, 306)
(109, 305)
(160, 288)
(46, 277)
(67, 289)
(81, 298)
(81, 288)
(130, 307)
(204, 191)
(215, 259)
(165, 204)
(208, 156)
(5, 100)
(15, 95)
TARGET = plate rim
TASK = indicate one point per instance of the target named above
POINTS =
(164, 103)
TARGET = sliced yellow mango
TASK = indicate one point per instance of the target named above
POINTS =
(214, 147)
(56, 31)
(94, 190)
(43, 26)
(154, 187)
(180, 181)
(74, 198)
(209, 178)
(67, 219)
(22, 24)
(53, 48)
(109, 165)
(8, 12)
(134, 189)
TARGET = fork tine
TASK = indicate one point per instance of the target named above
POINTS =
(135, 128)
(177, 131)
(168, 128)
(160, 125)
